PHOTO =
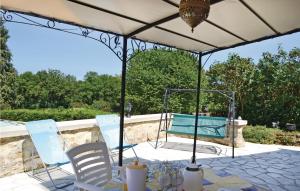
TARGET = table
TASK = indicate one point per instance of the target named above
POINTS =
(213, 181)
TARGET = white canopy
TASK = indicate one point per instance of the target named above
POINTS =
(230, 22)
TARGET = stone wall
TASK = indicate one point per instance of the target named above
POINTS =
(16, 146)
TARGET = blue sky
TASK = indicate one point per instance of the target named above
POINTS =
(35, 49)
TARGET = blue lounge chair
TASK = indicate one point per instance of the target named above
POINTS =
(49, 145)
(110, 129)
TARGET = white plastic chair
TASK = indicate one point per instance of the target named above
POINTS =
(91, 165)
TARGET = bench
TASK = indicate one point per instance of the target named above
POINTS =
(184, 124)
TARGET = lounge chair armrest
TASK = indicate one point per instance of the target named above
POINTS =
(88, 187)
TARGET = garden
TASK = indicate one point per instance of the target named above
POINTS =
(267, 91)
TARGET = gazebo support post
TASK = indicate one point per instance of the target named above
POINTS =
(122, 101)
(197, 106)
(233, 126)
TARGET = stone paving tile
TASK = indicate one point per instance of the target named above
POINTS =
(258, 181)
(260, 170)
(268, 179)
(292, 188)
(274, 175)
(276, 187)
(278, 171)
(274, 170)
(253, 172)
(271, 171)
(286, 181)
(293, 177)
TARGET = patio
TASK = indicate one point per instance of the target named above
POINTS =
(271, 166)
(127, 31)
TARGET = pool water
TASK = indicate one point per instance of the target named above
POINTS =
(6, 123)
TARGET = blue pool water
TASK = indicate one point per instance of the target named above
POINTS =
(6, 123)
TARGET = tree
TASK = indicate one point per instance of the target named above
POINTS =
(150, 72)
(100, 90)
(232, 75)
(7, 71)
(265, 93)
(46, 89)
(276, 89)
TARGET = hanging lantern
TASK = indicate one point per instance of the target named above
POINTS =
(193, 12)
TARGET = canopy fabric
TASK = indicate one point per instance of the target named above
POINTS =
(230, 22)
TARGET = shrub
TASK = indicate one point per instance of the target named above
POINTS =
(4, 105)
(78, 105)
(101, 104)
(56, 114)
(263, 135)
(286, 138)
(259, 134)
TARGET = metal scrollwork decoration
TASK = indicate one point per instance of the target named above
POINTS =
(51, 23)
(5, 15)
(110, 40)
(137, 46)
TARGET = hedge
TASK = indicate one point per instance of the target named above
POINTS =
(56, 114)
(264, 135)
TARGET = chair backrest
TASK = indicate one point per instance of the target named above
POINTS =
(91, 163)
(49, 145)
(110, 129)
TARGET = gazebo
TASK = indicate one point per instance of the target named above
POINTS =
(125, 26)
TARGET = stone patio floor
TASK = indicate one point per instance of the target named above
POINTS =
(271, 166)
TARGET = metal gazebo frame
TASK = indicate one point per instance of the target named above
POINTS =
(109, 39)
(123, 50)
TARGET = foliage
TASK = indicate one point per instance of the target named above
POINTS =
(150, 72)
(260, 134)
(56, 114)
(264, 135)
(103, 88)
(275, 89)
(101, 104)
(232, 75)
(265, 93)
(7, 72)
(45, 89)
(53, 89)
(287, 138)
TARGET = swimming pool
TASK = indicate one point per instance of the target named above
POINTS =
(7, 123)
